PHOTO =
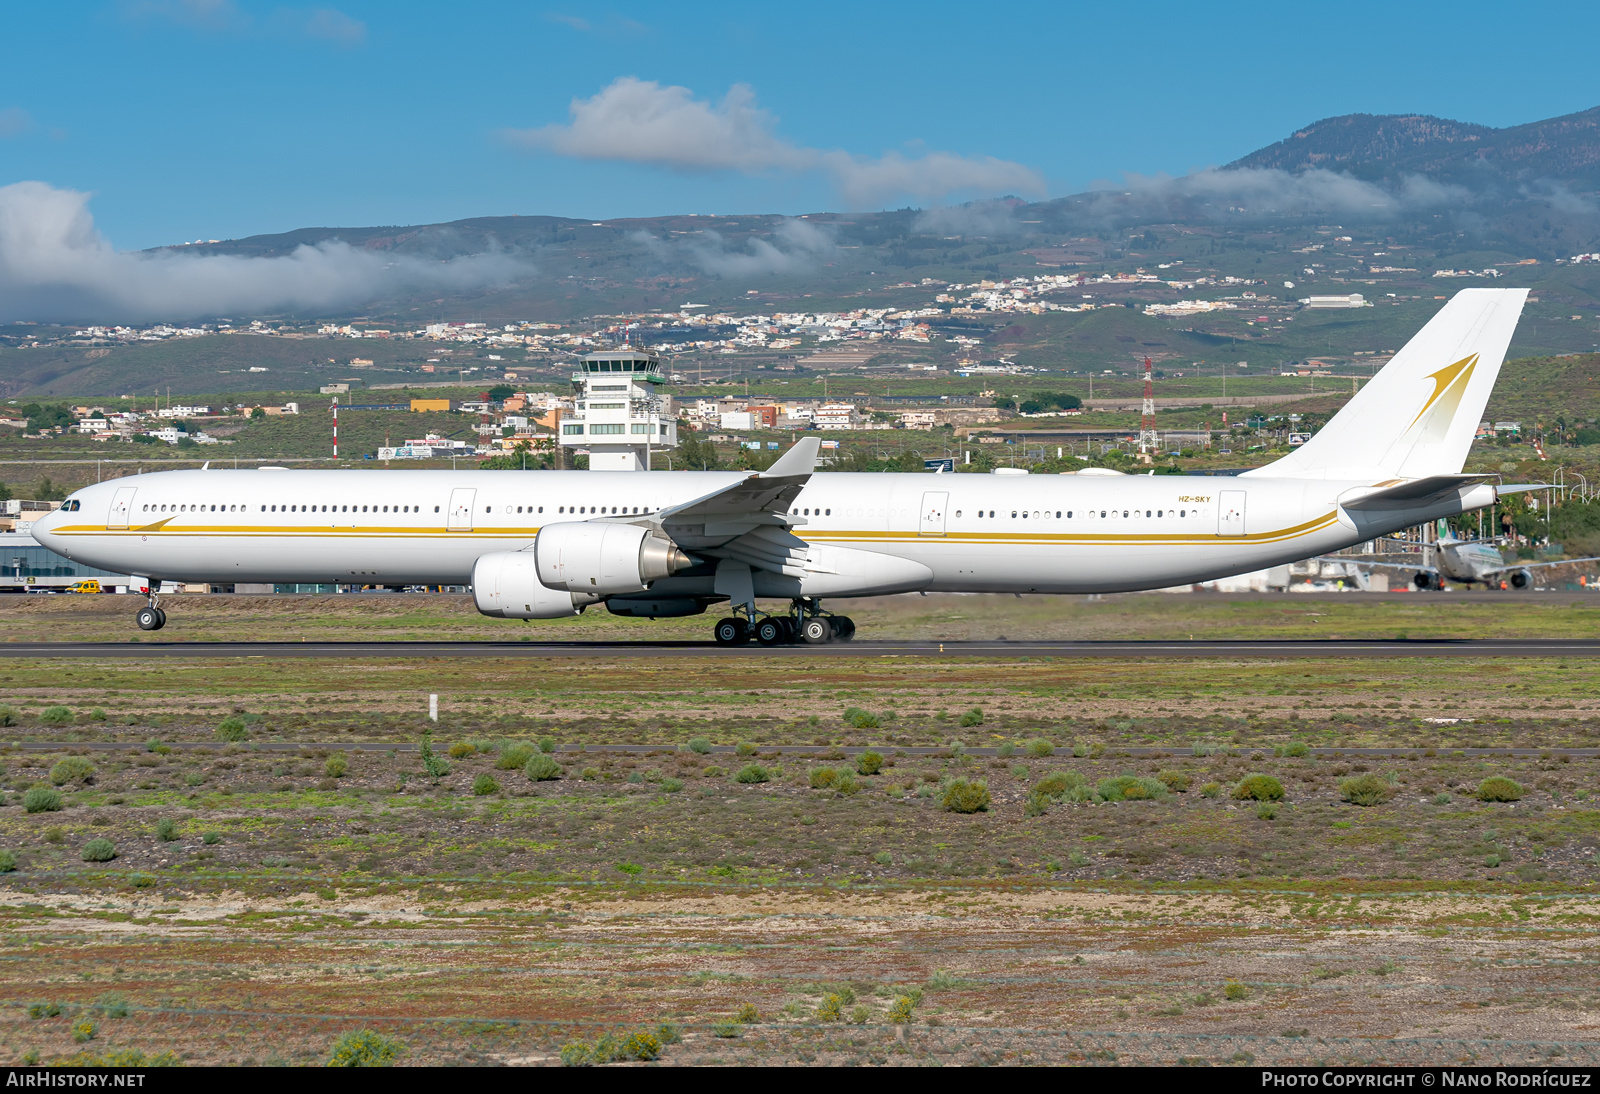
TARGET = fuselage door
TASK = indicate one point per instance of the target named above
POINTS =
(933, 506)
(1230, 512)
(121, 506)
(461, 500)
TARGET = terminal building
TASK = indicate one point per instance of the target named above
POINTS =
(618, 416)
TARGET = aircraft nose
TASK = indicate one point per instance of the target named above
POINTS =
(44, 527)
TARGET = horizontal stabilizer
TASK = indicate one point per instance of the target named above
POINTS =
(1411, 494)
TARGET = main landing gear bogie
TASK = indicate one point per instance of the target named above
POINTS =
(808, 626)
(151, 618)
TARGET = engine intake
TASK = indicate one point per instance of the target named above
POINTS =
(604, 559)
(506, 584)
(1521, 579)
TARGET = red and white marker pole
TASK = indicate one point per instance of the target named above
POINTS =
(336, 427)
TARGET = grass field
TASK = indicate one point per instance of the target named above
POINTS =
(275, 891)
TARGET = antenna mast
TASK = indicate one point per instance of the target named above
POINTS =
(1147, 422)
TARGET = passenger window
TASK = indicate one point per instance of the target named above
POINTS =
(435, 508)
(1013, 514)
(958, 512)
(1183, 512)
(541, 508)
(827, 512)
(1058, 514)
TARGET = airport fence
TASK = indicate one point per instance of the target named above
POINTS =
(213, 1037)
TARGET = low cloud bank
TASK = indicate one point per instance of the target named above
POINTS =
(56, 267)
(794, 245)
(644, 122)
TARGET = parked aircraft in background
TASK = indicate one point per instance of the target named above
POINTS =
(1464, 561)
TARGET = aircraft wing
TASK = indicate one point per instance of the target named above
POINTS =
(1540, 565)
(761, 499)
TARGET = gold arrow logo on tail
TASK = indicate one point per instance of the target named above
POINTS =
(1446, 379)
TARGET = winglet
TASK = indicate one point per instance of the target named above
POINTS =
(799, 460)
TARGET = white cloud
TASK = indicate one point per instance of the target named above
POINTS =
(641, 121)
(335, 26)
(14, 121)
(794, 245)
(54, 265)
(226, 17)
(1267, 191)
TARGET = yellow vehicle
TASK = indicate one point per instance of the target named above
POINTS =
(88, 585)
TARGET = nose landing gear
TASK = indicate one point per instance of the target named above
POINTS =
(151, 617)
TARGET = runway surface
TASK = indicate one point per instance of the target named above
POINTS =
(152, 650)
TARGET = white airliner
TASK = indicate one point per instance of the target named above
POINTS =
(1466, 562)
(547, 544)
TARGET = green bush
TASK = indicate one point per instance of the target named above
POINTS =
(576, 1054)
(900, 1011)
(823, 778)
(112, 1005)
(210, 839)
(513, 756)
(869, 763)
(727, 1029)
(747, 1015)
(1261, 788)
(1175, 781)
(710, 771)
(1235, 991)
(540, 768)
(461, 750)
(547, 744)
(1006, 751)
(1267, 811)
(1035, 804)
(861, 719)
(643, 1045)
(484, 785)
(831, 1009)
(336, 766)
(166, 829)
(1211, 790)
(699, 745)
(1039, 748)
(744, 749)
(671, 786)
(1365, 790)
(232, 728)
(966, 796)
(1298, 750)
(1059, 784)
(70, 768)
(98, 714)
(1498, 788)
(99, 849)
(8, 717)
(364, 1048)
(8, 861)
(752, 773)
(1130, 788)
(41, 799)
(84, 1030)
(846, 783)
(44, 1010)
(55, 716)
(973, 717)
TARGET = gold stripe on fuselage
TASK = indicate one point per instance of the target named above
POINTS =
(842, 537)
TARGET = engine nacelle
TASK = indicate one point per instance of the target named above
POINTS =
(506, 584)
(602, 559)
(1521, 579)
(1425, 580)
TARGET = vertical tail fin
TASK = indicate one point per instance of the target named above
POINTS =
(1418, 415)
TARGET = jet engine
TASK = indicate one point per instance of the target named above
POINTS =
(1521, 579)
(603, 559)
(1425, 580)
(506, 584)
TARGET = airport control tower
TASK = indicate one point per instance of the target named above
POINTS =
(619, 417)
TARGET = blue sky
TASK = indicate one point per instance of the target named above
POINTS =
(221, 118)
